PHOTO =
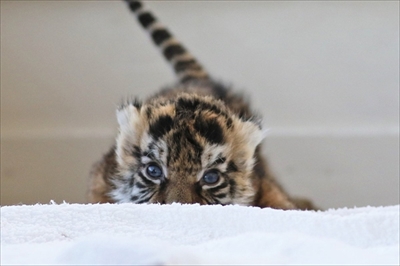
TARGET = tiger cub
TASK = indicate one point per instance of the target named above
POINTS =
(194, 142)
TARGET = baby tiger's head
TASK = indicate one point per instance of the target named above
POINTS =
(189, 149)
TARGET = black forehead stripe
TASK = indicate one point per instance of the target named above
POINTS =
(161, 126)
(160, 35)
(146, 19)
(187, 104)
(173, 50)
(196, 104)
(191, 105)
(210, 130)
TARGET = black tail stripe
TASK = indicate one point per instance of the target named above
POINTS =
(173, 50)
(187, 78)
(160, 36)
(146, 19)
(186, 70)
(185, 65)
(134, 5)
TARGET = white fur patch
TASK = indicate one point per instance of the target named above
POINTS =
(127, 117)
(252, 133)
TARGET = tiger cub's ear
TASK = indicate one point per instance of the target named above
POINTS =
(251, 133)
(127, 116)
(129, 120)
(128, 113)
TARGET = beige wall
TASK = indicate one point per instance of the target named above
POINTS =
(325, 76)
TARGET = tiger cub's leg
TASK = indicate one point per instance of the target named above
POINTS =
(270, 193)
(98, 186)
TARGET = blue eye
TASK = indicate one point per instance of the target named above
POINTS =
(153, 170)
(211, 177)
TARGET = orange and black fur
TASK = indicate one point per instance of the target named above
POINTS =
(194, 142)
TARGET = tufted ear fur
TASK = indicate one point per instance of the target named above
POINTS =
(129, 121)
(252, 134)
(248, 135)
(126, 115)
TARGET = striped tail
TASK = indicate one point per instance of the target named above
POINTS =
(186, 67)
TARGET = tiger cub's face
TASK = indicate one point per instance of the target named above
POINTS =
(191, 149)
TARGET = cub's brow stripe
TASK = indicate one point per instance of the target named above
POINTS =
(188, 104)
(210, 130)
(161, 126)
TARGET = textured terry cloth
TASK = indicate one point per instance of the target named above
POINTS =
(151, 234)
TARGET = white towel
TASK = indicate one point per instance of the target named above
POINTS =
(192, 234)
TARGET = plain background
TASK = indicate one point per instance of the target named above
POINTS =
(324, 75)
